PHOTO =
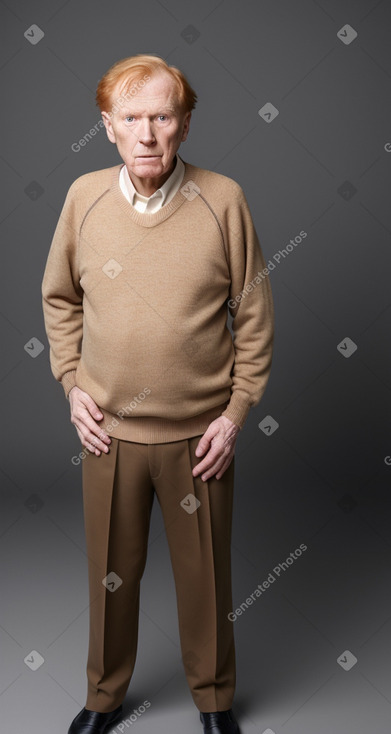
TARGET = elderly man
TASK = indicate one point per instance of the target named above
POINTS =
(146, 260)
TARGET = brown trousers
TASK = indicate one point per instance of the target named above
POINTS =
(118, 493)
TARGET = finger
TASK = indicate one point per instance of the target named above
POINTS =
(92, 446)
(94, 449)
(93, 408)
(85, 399)
(90, 436)
(206, 440)
(212, 467)
(224, 468)
(205, 464)
(202, 446)
(87, 444)
(215, 452)
(87, 425)
(219, 466)
(96, 443)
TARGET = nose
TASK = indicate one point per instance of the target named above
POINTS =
(145, 132)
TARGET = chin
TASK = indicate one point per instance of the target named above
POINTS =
(148, 170)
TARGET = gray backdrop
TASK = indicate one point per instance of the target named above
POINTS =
(313, 651)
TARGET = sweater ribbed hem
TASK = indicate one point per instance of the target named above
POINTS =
(148, 429)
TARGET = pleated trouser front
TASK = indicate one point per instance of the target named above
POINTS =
(118, 494)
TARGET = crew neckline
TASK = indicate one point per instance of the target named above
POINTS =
(152, 219)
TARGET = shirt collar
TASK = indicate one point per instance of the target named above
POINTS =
(164, 190)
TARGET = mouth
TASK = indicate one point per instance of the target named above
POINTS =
(147, 157)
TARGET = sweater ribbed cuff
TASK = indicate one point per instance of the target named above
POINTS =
(68, 381)
(237, 409)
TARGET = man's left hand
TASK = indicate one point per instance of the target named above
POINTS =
(219, 441)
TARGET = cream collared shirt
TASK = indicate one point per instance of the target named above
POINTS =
(151, 204)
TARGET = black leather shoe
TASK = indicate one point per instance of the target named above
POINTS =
(220, 722)
(93, 722)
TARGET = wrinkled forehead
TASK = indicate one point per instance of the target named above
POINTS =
(156, 94)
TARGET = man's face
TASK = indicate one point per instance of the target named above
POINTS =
(149, 128)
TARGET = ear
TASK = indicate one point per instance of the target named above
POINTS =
(107, 119)
(186, 125)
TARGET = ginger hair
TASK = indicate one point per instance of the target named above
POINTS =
(131, 73)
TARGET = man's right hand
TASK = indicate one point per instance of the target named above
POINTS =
(83, 412)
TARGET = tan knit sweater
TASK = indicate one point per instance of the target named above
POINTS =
(135, 306)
